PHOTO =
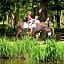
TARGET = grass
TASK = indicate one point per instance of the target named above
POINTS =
(28, 47)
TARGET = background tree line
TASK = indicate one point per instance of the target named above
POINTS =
(18, 8)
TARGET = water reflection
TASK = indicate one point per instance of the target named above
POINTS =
(11, 61)
(20, 61)
(15, 61)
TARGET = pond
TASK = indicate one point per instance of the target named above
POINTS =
(20, 61)
(15, 61)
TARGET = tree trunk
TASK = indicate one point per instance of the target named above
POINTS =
(58, 18)
(16, 14)
(3, 20)
(43, 13)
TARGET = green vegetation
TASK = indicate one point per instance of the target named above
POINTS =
(19, 8)
(28, 47)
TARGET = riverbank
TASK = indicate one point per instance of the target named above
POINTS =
(30, 48)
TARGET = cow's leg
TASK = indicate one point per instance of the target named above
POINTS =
(18, 33)
(30, 27)
(37, 35)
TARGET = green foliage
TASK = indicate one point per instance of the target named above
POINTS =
(51, 50)
(28, 47)
(60, 50)
(21, 6)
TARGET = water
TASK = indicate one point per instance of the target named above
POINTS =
(20, 61)
(14, 61)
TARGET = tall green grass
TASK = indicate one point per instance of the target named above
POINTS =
(27, 47)
(30, 48)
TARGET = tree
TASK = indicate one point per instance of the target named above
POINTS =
(38, 7)
(57, 6)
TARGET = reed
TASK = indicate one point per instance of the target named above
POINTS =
(30, 48)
